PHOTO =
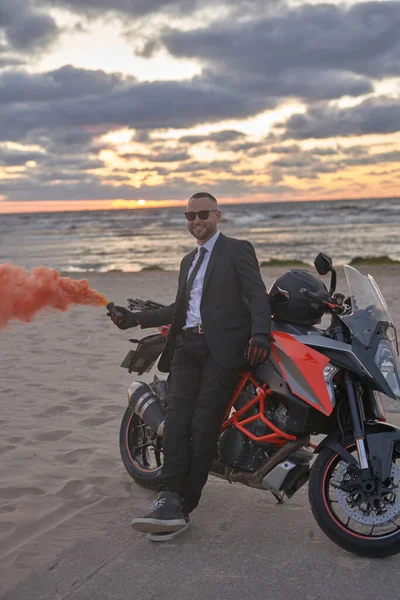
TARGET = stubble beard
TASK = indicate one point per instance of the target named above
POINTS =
(203, 233)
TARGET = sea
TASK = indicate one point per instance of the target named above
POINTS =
(133, 240)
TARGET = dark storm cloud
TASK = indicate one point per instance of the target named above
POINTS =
(35, 31)
(140, 8)
(25, 27)
(14, 158)
(132, 7)
(66, 82)
(227, 135)
(10, 61)
(374, 159)
(285, 149)
(319, 51)
(94, 99)
(163, 157)
(373, 116)
(196, 166)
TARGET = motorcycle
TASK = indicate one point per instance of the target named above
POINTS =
(316, 382)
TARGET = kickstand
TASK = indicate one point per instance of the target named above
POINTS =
(279, 497)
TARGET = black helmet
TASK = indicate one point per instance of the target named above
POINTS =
(287, 304)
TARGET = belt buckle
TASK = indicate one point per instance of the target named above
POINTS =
(200, 329)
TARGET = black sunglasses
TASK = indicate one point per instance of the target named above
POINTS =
(203, 214)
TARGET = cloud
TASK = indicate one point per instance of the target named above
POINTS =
(180, 8)
(72, 97)
(378, 115)
(26, 28)
(162, 157)
(359, 39)
(255, 55)
(14, 158)
(227, 135)
(131, 7)
(314, 51)
(66, 82)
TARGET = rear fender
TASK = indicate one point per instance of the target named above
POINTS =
(381, 438)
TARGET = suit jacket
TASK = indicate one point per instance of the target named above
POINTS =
(234, 304)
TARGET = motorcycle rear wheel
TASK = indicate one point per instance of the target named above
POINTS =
(141, 450)
(338, 524)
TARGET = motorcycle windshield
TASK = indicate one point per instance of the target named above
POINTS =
(368, 309)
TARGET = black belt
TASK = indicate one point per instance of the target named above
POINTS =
(196, 329)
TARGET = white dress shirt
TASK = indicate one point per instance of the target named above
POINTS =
(193, 316)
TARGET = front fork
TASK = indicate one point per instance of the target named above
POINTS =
(356, 412)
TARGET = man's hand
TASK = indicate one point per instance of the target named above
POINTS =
(259, 348)
(123, 318)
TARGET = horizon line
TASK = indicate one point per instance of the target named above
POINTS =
(44, 206)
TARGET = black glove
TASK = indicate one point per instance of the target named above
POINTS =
(122, 317)
(259, 348)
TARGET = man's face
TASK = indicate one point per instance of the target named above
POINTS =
(203, 229)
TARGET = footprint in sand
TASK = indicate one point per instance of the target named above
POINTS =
(94, 421)
(54, 411)
(113, 408)
(51, 436)
(7, 508)
(6, 449)
(75, 489)
(11, 493)
(83, 400)
(16, 439)
(6, 526)
(74, 456)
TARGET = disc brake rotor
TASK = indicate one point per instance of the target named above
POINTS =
(385, 512)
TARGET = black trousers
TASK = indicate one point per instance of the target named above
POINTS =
(200, 391)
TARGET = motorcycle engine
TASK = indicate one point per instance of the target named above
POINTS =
(237, 449)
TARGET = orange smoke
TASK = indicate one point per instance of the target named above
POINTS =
(23, 294)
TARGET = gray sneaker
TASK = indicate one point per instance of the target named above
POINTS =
(167, 536)
(165, 515)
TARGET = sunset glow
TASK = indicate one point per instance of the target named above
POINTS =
(131, 104)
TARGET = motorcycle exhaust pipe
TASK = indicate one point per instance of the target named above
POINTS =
(256, 479)
(146, 405)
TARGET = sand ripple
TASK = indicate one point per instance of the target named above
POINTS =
(62, 397)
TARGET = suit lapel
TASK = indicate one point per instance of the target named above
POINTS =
(185, 270)
(213, 259)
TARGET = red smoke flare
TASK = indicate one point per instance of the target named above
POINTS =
(23, 294)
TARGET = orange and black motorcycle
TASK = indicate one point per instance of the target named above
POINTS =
(317, 381)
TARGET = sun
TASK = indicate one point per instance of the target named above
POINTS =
(141, 202)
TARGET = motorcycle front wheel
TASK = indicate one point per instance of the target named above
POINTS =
(367, 525)
(141, 450)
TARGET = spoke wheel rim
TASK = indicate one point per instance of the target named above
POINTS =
(144, 446)
(343, 519)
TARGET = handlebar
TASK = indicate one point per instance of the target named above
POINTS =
(136, 304)
(320, 300)
(311, 295)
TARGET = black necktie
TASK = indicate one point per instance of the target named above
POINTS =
(192, 277)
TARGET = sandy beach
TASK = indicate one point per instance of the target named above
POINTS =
(62, 398)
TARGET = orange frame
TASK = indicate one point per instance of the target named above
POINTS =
(239, 420)
(278, 437)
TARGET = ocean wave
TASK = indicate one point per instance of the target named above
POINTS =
(373, 260)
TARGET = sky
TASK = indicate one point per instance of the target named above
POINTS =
(104, 103)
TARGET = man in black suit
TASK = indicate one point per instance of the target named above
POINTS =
(220, 317)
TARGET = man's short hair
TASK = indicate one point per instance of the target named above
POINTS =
(203, 195)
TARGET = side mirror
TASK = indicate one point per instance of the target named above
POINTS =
(323, 263)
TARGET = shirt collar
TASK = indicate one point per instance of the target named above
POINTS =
(210, 244)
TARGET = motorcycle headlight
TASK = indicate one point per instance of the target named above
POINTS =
(385, 360)
(329, 373)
